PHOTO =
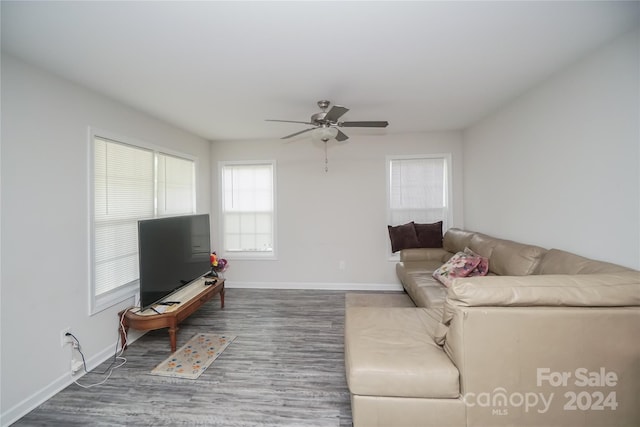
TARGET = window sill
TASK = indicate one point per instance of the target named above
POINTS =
(102, 302)
(250, 256)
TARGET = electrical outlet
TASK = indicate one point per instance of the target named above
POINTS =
(64, 338)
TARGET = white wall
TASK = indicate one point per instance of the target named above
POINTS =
(45, 225)
(560, 166)
(324, 218)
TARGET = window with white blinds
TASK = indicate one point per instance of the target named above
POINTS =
(176, 185)
(418, 189)
(130, 183)
(247, 209)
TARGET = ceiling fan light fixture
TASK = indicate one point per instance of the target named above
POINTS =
(325, 133)
(326, 124)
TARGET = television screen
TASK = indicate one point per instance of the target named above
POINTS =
(173, 252)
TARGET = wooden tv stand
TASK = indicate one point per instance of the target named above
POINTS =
(191, 298)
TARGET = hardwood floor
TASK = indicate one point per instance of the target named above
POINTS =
(285, 368)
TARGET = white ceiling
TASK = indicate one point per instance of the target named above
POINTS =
(218, 69)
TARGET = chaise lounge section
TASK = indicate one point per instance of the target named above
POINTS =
(547, 338)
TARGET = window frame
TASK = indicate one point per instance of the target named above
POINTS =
(447, 221)
(247, 255)
(98, 303)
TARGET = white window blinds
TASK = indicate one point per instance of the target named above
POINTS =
(418, 190)
(176, 185)
(247, 193)
(130, 183)
(123, 194)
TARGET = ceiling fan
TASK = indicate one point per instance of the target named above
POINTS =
(327, 122)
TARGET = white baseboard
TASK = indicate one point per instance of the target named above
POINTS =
(30, 403)
(316, 286)
(33, 401)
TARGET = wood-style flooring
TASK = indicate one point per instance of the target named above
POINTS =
(285, 368)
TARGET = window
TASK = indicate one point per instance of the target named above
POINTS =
(130, 182)
(418, 189)
(176, 185)
(247, 209)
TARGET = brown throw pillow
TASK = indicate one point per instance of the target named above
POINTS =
(403, 237)
(429, 235)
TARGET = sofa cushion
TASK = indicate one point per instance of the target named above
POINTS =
(428, 294)
(403, 236)
(514, 259)
(429, 235)
(556, 261)
(391, 352)
(407, 270)
(424, 290)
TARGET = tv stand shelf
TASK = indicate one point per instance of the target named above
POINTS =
(190, 299)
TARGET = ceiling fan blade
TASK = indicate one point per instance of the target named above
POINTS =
(297, 133)
(381, 124)
(341, 136)
(335, 113)
(288, 121)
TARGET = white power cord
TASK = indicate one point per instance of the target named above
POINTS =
(117, 356)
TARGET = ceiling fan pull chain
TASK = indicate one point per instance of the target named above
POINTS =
(326, 158)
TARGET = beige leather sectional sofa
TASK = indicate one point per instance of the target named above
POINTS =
(548, 338)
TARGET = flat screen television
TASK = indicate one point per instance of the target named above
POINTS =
(173, 252)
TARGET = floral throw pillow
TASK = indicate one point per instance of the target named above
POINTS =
(460, 265)
(483, 267)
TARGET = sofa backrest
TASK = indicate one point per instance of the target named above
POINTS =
(455, 239)
(579, 290)
(506, 258)
(483, 245)
(515, 259)
(556, 261)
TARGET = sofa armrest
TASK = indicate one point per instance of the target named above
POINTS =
(549, 290)
(578, 290)
(505, 350)
(424, 254)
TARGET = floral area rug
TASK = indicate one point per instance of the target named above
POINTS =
(191, 360)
